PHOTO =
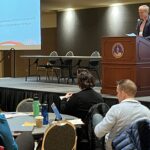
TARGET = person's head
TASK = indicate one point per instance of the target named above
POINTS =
(85, 79)
(126, 89)
(143, 12)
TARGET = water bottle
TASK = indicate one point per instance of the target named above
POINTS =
(45, 113)
(36, 106)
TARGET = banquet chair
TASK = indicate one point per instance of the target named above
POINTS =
(25, 105)
(52, 66)
(93, 64)
(34, 64)
(66, 67)
(48, 66)
(60, 136)
(95, 115)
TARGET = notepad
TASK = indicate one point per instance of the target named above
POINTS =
(76, 121)
(28, 124)
(62, 97)
(14, 114)
(131, 34)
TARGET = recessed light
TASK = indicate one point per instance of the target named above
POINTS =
(69, 9)
(116, 4)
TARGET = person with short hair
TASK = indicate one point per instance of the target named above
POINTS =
(123, 114)
(143, 25)
(78, 104)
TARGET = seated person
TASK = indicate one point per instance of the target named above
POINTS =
(6, 138)
(23, 141)
(78, 104)
(121, 115)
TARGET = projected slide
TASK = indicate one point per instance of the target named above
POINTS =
(20, 24)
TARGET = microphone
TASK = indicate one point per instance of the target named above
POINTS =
(138, 23)
(138, 20)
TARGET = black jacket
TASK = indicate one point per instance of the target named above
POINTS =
(146, 32)
(100, 109)
(80, 103)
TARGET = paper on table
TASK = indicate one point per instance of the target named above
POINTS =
(61, 97)
(76, 121)
(131, 34)
(20, 128)
(27, 124)
(14, 114)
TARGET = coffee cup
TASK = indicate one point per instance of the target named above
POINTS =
(39, 121)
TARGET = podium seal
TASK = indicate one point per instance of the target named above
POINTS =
(117, 50)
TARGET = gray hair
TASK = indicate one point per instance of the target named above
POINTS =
(144, 7)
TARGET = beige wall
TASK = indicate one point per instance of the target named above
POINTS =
(49, 20)
(1, 65)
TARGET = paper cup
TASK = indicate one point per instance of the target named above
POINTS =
(39, 121)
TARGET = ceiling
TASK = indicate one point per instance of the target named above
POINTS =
(58, 5)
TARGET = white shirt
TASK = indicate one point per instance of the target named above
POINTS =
(119, 117)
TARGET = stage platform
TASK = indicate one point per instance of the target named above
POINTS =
(13, 90)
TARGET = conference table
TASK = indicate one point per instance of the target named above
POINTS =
(48, 57)
(20, 122)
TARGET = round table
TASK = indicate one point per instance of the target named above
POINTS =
(20, 122)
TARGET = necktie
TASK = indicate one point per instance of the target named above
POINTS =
(142, 28)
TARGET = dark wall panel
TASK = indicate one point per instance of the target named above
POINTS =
(81, 30)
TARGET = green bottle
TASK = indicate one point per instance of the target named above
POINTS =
(36, 106)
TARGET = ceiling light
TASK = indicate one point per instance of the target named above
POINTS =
(116, 4)
(69, 9)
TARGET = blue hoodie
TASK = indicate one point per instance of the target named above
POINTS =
(6, 135)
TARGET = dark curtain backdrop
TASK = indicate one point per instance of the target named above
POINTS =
(10, 98)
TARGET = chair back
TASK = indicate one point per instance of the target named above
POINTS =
(144, 133)
(94, 116)
(70, 53)
(52, 61)
(60, 136)
(94, 62)
(25, 105)
(67, 62)
(95, 53)
(53, 53)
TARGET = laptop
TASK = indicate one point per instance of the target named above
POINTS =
(56, 112)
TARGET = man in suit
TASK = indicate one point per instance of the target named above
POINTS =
(143, 25)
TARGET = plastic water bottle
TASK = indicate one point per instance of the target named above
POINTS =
(45, 113)
(36, 106)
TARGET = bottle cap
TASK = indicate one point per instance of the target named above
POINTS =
(36, 97)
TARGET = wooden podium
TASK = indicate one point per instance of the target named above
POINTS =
(125, 58)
